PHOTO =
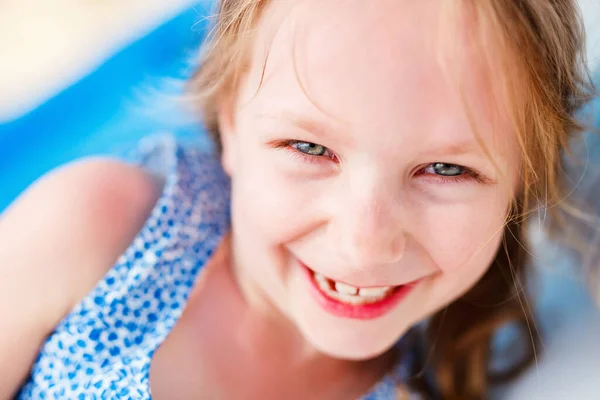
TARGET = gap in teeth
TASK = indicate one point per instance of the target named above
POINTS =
(351, 294)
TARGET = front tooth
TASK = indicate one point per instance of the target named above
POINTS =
(350, 299)
(320, 278)
(322, 282)
(374, 291)
(345, 289)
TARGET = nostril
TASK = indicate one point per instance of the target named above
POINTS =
(397, 248)
(364, 239)
(375, 249)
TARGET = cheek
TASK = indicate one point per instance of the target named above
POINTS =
(267, 202)
(463, 243)
(463, 235)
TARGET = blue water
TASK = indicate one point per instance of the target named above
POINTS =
(129, 96)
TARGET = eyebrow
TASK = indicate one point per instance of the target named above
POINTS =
(317, 128)
(457, 148)
(301, 122)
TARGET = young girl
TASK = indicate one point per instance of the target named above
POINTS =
(360, 236)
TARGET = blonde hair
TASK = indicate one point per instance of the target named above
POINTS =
(544, 82)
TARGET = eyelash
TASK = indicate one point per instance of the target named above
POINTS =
(468, 173)
(288, 145)
(467, 176)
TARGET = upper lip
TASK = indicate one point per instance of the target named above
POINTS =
(373, 283)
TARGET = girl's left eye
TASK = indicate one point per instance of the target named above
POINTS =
(443, 169)
(451, 173)
(311, 149)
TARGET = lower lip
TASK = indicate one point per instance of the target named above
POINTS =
(356, 311)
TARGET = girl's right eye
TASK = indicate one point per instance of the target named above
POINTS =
(308, 151)
(311, 149)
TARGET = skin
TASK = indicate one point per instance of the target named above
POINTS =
(58, 239)
(367, 81)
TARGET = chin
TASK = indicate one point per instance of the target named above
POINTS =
(349, 341)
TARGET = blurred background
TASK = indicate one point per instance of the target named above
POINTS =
(83, 77)
(80, 77)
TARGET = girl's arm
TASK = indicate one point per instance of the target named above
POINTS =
(56, 241)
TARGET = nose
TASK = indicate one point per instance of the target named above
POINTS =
(370, 228)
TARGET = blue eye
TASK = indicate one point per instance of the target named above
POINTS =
(444, 169)
(311, 149)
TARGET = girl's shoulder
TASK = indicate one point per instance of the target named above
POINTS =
(103, 222)
(58, 239)
(77, 220)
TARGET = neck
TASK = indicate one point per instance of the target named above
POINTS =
(262, 325)
(261, 332)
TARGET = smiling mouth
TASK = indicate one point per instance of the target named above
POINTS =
(347, 301)
(349, 294)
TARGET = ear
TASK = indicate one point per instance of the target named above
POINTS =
(227, 134)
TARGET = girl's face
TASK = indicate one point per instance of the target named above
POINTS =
(356, 162)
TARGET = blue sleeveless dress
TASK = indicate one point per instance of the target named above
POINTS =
(102, 349)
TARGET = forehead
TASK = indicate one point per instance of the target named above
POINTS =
(371, 65)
